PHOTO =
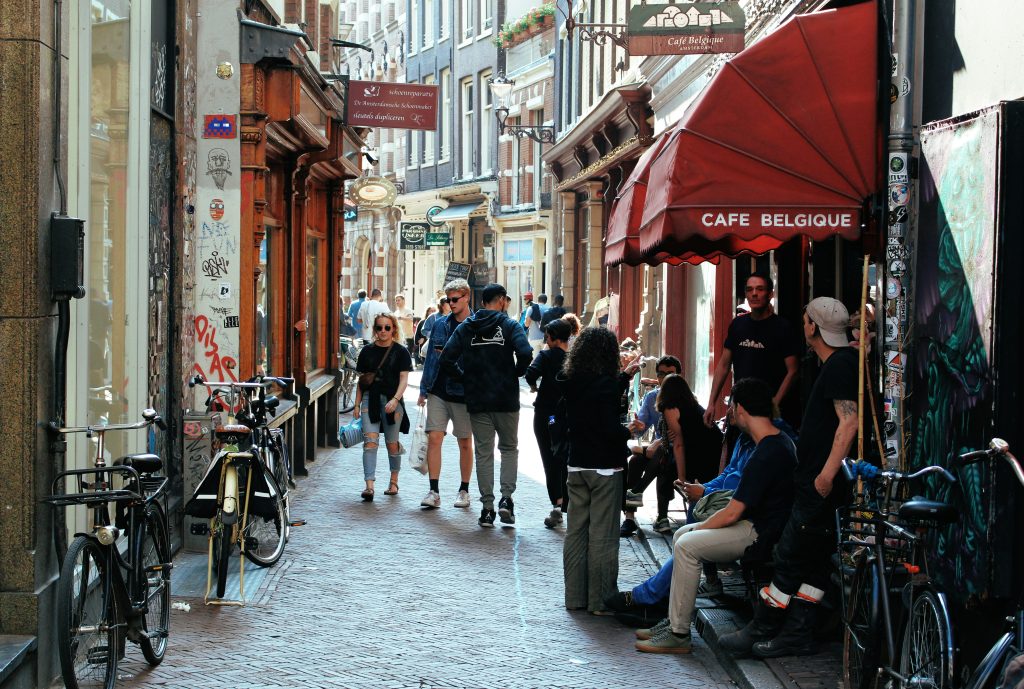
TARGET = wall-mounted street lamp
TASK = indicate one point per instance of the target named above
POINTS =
(501, 88)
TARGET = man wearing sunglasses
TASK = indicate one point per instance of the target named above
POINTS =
(445, 399)
(488, 353)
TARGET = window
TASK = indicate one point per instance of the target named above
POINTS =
(486, 16)
(414, 22)
(486, 120)
(430, 137)
(414, 148)
(535, 159)
(446, 114)
(314, 309)
(517, 250)
(467, 127)
(517, 162)
(263, 287)
(466, 25)
(428, 24)
(444, 29)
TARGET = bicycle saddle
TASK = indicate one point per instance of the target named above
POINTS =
(143, 463)
(928, 511)
(233, 428)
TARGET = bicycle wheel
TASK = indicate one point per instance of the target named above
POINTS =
(862, 648)
(88, 640)
(279, 463)
(157, 586)
(265, 536)
(927, 654)
(222, 542)
(347, 394)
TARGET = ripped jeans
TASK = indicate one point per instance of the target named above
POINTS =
(371, 437)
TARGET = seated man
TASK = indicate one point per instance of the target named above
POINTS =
(758, 509)
(654, 591)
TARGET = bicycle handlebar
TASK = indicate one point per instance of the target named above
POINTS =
(997, 447)
(197, 380)
(149, 417)
(852, 469)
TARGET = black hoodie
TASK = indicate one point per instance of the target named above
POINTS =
(494, 353)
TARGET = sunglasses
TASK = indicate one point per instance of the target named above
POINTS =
(378, 328)
(662, 374)
(455, 300)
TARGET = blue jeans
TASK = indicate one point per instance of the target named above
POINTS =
(370, 444)
(656, 589)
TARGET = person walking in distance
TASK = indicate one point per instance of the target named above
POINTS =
(445, 398)
(545, 367)
(534, 314)
(784, 620)
(353, 312)
(556, 311)
(368, 312)
(488, 353)
(405, 318)
(759, 344)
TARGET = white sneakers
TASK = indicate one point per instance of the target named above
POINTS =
(433, 500)
(463, 499)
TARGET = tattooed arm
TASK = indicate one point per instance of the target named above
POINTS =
(846, 410)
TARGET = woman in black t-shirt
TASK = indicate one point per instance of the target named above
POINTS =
(381, 404)
(693, 450)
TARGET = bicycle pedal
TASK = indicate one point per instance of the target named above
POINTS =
(200, 529)
(297, 522)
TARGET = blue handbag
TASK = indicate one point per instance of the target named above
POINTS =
(351, 434)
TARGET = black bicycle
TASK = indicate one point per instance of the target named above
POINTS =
(112, 589)
(349, 355)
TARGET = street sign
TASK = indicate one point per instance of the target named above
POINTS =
(412, 236)
(350, 213)
(696, 28)
(431, 212)
(457, 270)
(439, 239)
(389, 105)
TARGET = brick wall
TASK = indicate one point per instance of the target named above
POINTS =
(292, 11)
(327, 24)
(312, 25)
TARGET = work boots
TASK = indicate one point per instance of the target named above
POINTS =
(765, 625)
(797, 635)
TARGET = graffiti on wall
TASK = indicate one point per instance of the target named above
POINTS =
(950, 375)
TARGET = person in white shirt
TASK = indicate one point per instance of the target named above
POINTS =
(368, 312)
(405, 318)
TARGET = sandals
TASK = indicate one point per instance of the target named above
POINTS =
(367, 495)
(392, 488)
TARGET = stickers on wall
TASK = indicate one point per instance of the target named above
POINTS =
(218, 166)
(893, 288)
(217, 209)
(224, 291)
(219, 127)
(225, 70)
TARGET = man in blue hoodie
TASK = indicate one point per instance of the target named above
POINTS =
(488, 353)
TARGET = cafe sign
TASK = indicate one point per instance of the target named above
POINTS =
(439, 239)
(412, 236)
(373, 192)
(389, 105)
(696, 28)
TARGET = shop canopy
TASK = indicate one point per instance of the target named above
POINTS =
(459, 211)
(783, 141)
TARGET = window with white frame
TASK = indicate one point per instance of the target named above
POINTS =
(444, 29)
(486, 119)
(446, 114)
(486, 16)
(517, 162)
(467, 127)
(428, 24)
(538, 166)
(466, 20)
(414, 22)
(429, 137)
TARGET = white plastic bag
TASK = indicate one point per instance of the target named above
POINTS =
(418, 447)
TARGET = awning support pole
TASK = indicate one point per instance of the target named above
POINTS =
(901, 234)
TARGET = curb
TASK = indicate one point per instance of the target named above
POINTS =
(712, 623)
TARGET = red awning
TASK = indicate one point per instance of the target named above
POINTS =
(783, 142)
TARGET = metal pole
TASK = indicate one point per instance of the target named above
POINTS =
(902, 227)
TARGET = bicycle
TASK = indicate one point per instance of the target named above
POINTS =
(106, 596)
(349, 349)
(239, 494)
(883, 544)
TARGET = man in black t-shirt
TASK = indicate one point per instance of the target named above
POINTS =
(757, 512)
(760, 344)
(784, 620)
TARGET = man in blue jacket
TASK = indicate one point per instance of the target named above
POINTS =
(488, 353)
(445, 400)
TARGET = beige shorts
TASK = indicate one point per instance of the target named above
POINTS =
(440, 412)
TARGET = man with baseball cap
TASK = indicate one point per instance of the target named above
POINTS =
(784, 621)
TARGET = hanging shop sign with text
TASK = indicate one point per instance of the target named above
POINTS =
(413, 236)
(391, 106)
(456, 271)
(439, 239)
(697, 28)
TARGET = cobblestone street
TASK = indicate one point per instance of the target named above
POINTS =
(385, 594)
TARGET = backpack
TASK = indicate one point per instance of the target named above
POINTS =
(535, 313)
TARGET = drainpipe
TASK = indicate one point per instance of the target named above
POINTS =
(901, 233)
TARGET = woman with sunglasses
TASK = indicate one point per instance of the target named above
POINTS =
(380, 403)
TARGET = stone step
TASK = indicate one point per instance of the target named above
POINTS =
(16, 654)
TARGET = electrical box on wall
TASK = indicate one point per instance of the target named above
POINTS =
(67, 257)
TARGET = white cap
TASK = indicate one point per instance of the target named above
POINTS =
(832, 319)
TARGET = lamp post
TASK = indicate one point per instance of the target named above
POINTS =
(501, 89)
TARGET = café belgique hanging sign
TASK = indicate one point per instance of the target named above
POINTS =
(373, 192)
(696, 28)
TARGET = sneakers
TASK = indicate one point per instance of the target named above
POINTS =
(627, 529)
(433, 500)
(666, 641)
(486, 518)
(710, 588)
(506, 511)
(634, 499)
(463, 499)
(553, 519)
(650, 632)
(663, 525)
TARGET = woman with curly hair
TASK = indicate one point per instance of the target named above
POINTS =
(597, 439)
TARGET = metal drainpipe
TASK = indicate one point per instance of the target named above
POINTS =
(901, 235)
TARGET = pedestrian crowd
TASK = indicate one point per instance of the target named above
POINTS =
(757, 492)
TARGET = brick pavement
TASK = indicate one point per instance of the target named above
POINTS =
(385, 595)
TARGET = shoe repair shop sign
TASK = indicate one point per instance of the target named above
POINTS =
(413, 236)
(391, 105)
(697, 28)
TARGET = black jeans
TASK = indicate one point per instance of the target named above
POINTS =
(803, 554)
(555, 469)
(641, 472)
